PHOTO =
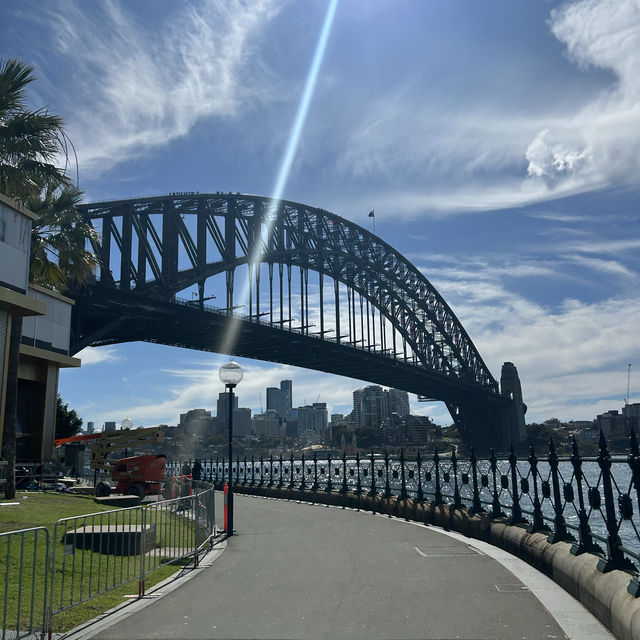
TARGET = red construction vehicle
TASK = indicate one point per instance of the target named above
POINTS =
(133, 475)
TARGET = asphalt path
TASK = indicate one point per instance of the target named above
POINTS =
(310, 571)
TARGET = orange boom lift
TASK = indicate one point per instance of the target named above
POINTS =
(135, 475)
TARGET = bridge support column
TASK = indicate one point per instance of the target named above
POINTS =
(511, 388)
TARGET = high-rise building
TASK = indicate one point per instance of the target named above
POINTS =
(109, 426)
(398, 402)
(286, 389)
(267, 424)
(241, 421)
(373, 405)
(370, 406)
(279, 399)
(222, 409)
(274, 400)
(313, 417)
(197, 421)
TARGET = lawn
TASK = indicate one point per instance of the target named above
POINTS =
(80, 574)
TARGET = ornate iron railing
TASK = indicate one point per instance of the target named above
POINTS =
(593, 502)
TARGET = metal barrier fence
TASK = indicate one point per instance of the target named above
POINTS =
(95, 553)
(24, 583)
(592, 502)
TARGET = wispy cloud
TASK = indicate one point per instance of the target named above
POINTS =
(611, 267)
(567, 356)
(475, 158)
(557, 216)
(140, 87)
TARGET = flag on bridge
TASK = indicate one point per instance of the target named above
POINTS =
(371, 214)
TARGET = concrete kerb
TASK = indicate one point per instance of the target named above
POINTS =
(605, 595)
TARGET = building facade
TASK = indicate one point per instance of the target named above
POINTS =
(44, 344)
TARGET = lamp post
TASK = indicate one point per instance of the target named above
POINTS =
(230, 374)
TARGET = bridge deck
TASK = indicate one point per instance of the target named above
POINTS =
(303, 571)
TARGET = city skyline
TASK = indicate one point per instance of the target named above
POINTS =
(497, 145)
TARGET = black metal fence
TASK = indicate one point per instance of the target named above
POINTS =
(593, 502)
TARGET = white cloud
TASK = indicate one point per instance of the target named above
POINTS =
(476, 158)
(139, 88)
(570, 359)
(99, 355)
(611, 267)
(600, 144)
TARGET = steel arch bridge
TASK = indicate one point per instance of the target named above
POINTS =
(317, 291)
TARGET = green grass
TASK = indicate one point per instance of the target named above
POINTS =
(42, 509)
(78, 574)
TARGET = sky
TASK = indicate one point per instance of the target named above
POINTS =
(498, 143)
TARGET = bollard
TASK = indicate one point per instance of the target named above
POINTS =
(226, 507)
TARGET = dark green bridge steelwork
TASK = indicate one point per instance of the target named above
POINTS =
(316, 291)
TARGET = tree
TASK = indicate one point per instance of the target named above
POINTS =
(68, 422)
(30, 142)
(59, 258)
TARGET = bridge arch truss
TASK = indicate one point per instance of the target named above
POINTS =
(294, 269)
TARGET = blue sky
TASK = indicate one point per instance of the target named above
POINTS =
(498, 142)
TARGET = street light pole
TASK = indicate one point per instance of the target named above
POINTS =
(230, 374)
(230, 388)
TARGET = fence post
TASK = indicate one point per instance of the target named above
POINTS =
(280, 470)
(403, 482)
(538, 521)
(496, 508)
(585, 540)
(196, 519)
(343, 490)
(372, 488)
(457, 500)
(303, 484)
(559, 525)
(516, 511)
(315, 472)
(615, 556)
(634, 463)
(291, 472)
(51, 561)
(358, 482)
(271, 469)
(329, 486)
(436, 463)
(261, 471)
(387, 486)
(476, 506)
(420, 494)
(141, 585)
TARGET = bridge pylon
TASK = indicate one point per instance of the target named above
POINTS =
(496, 422)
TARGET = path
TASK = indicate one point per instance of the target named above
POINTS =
(309, 571)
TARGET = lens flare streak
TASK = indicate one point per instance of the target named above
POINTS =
(287, 161)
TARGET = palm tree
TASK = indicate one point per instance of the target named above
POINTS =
(30, 142)
(59, 257)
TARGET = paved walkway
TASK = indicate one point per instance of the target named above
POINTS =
(309, 571)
